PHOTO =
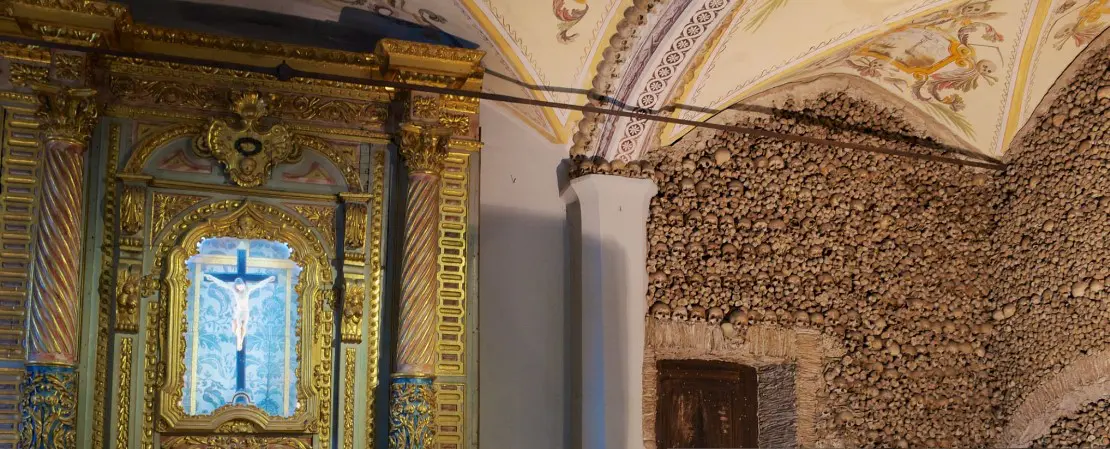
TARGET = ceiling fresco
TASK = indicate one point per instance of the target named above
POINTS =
(976, 67)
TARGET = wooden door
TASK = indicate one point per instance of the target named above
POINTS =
(705, 404)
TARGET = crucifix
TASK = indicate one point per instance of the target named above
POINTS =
(238, 286)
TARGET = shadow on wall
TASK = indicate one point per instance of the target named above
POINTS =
(532, 328)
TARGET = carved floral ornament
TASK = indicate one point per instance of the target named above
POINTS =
(423, 148)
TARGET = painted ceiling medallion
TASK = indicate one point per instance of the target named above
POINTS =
(249, 151)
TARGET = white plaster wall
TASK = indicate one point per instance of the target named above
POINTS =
(524, 360)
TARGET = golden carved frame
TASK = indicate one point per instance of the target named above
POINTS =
(249, 220)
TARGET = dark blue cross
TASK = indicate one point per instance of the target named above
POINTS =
(241, 396)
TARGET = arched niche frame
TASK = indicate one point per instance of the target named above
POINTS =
(245, 220)
(183, 136)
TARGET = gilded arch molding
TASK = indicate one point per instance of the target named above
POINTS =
(248, 220)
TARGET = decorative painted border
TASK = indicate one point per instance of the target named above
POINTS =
(451, 313)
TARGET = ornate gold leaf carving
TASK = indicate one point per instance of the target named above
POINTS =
(69, 67)
(168, 205)
(347, 163)
(301, 107)
(28, 53)
(457, 123)
(69, 114)
(188, 95)
(235, 442)
(24, 74)
(353, 296)
(425, 107)
(104, 287)
(128, 296)
(237, 426)
(69, 35)
(349, 399)
(322, 217)
(423, 149)
(132, 208)
(355, 236)
(248, 152)
(123, 420)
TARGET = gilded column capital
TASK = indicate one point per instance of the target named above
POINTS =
(69, 114)
(423, 148)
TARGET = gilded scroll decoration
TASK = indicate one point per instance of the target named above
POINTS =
(412, 404)
(69, 114)
(25, 74)
(132, 208)
(423, 149)
(48, 407)
(123, 408)
(322, 217)
(353, 295)
(248, 152)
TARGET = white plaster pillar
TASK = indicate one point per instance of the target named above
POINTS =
(607, 216)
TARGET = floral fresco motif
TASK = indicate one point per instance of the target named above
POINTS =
(1084, 26)
(934, 58)
(568, 18)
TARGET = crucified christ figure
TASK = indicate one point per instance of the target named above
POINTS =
(240, 294)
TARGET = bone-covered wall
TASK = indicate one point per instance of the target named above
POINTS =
(1052, 247)
(1089, 427)
(883, 253)
(956, 292)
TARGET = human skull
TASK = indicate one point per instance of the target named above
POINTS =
(738, 317)
(679, 314)
(715, 315)
(697, 313)
(660, 310)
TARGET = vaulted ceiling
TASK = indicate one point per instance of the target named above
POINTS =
(976, 67)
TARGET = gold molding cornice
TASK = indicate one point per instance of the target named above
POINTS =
(102, 24)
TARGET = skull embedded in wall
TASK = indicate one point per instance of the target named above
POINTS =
(715, 315)
(660, 310)
(697, 313)
(679, 314)
(738, 317)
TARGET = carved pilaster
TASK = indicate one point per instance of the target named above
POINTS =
(412, 405)
(412, 409)
(48, 397)
(48, 408)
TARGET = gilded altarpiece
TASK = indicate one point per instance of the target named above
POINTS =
(239, 233)
(242, 259)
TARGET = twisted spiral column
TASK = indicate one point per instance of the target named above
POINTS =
(412, 393)
(48, 393)
(416, 340)
(54, 309)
